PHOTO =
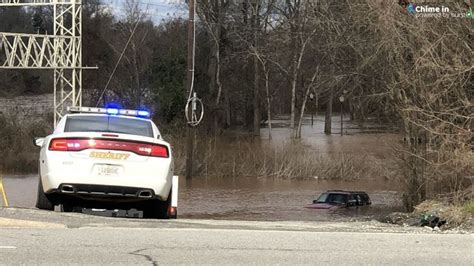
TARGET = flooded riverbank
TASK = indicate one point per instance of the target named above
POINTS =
(361, 159)
(364, 151)
(281, 200)
(258, 199)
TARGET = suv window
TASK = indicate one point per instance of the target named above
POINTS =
(350, 198)
(363, 198)
(102, 123)
(322, 198)
(339, 198)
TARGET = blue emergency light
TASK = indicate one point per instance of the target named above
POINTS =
(109, 111)
(112, 111)
(143, 113)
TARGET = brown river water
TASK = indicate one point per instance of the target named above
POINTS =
(267, 199)
(261, 199)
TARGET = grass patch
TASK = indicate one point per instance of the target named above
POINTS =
(221, 156)
(469, 208)
(19, 155)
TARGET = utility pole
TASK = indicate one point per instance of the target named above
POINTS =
(190, 131)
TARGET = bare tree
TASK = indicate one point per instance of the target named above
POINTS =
(309, 88)
(430, 85)
(294, 15)
(213, 14)
(131, 82)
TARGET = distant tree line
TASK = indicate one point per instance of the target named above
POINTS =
(254, 58)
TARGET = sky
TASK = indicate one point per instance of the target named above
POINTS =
(158, 10)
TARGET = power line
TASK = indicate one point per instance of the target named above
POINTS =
(121, 56)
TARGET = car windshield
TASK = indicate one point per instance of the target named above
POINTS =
(102, 123)
(322, 198)
(332, 198)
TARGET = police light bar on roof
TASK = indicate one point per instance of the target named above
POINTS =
(110, 111)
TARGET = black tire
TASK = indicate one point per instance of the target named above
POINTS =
(157, 209)
(43, 201)
(67, 207)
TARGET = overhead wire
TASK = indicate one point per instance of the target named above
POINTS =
(139, 18)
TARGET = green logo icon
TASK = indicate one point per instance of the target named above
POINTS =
(469, 13)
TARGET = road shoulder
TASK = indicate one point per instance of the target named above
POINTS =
(32, 218)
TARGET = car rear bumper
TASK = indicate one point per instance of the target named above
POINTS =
(78, 168)
(101, 191)
(109, 187)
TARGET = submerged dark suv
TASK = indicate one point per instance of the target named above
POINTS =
(333, 199)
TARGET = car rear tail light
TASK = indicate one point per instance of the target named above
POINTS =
(66, 145)
(140, 148)
(159, 151)
(58, 145)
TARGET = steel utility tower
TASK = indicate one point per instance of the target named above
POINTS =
(61, 52)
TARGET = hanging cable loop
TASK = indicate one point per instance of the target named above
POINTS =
(194, 111)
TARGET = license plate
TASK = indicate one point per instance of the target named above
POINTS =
(108, 170)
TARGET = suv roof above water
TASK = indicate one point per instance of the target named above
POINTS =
(332, 199)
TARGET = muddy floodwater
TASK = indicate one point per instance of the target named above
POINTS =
(261, 199)
(267, 199)
(369, 137)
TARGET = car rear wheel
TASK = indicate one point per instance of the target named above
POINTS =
(157, 209)
(43, 201)
(68, 207)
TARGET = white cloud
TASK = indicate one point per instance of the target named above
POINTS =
(158, 10)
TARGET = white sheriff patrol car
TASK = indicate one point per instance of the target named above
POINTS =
(107, 158)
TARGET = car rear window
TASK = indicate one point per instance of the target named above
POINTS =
(364, 196)
(102, 123)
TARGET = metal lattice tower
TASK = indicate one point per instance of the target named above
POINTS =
(61, 52)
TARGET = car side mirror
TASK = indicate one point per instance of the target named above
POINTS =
(315, 201)
(38, 142)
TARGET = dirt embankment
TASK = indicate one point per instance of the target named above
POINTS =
(437, 216)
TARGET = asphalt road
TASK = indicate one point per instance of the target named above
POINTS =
(217, 246)
(35, 237)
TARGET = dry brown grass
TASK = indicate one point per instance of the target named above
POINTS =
(19, 155)
(215, 157)
(232, 157)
